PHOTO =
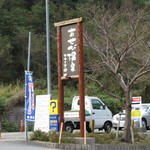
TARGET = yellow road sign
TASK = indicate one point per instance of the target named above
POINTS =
(136, 113)
(53, 107)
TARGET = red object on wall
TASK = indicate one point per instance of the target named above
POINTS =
(21, 126)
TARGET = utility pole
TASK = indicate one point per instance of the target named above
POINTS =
(28, 69)
(48, 49)
(29, 50)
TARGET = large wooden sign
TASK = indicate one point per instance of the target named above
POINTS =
(70, 62)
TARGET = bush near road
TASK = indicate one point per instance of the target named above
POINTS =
(105, 138)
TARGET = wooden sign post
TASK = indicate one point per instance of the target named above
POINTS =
(70, 62)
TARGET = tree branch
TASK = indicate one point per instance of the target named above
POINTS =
(144, 70)
(95, 80)
(101, 85)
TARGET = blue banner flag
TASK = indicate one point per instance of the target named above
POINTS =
(30, 102)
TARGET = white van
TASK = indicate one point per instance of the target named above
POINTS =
(95, 110)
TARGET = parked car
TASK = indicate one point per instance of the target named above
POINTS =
(145, 117)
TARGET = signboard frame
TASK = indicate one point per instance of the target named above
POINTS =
(42, 113)
(79, 74)
(54, 115)
(137, 113)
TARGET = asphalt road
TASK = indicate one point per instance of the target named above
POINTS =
(16, 141)
(21, 145)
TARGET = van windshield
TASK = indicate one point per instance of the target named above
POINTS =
(96, 104)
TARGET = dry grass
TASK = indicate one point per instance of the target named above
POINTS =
(12, 94)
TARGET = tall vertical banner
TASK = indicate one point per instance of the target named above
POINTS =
(29, 98)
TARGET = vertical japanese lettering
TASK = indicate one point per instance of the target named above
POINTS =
(69, 48)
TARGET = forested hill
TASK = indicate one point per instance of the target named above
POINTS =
(18, 17)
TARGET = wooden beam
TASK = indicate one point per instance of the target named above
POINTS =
(70, 78)
(63, 23)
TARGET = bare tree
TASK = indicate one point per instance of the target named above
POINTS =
(118, 37)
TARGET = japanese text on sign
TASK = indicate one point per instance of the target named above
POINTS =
(69, 50)
(30, 102)
(136, 99)
(54, 117)
(136, 113)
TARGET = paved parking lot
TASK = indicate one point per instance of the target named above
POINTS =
(8, 136)
(16, 141)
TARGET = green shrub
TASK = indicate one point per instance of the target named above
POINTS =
(35, 135)
(67, 138)
(44, 137)
(9, 126)
(2, 106)
(53, 136)
(105, 138)
(113, 104)
(39, 135)
(76, 134)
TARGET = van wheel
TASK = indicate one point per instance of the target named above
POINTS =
(107, 127)
(88, 130)
(69, 127)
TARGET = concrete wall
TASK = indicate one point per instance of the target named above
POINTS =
(15, 115)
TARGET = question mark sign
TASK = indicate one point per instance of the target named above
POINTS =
(53, 106)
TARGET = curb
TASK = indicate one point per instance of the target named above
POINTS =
(91, 147)
(66, 146)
